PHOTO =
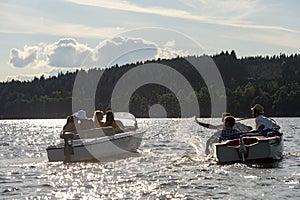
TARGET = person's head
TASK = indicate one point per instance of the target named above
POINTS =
(224, 114)
(70, 119)
(257, 110)
(98, 115)
(109, 117)
(229, 121)
(70, 125)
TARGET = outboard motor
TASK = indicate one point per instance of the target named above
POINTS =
(68, 147)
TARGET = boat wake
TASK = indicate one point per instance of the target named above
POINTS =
(184, 133)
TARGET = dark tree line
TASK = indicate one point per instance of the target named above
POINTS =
(271, 81)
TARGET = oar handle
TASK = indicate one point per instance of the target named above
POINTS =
(243, 119)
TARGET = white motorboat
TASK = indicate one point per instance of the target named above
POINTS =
(98, 144)
(253, 147)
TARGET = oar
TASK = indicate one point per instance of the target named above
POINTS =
(244, 119)
(210, 126)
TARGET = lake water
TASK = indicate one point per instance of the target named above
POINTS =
(171, 165)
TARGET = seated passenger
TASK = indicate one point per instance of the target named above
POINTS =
(82, 122)
(70, 125)
(110, 121)
(261, 121)
(81, 114)
(97, 118)
(228, 129)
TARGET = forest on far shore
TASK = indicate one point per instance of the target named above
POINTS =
(273, 81)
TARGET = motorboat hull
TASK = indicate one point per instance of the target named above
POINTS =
(96, 149)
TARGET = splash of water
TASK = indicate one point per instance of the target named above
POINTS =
(185, 132)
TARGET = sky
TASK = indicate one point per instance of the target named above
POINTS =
(45, 37)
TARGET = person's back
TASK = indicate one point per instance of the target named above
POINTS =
(227, 132)
(261, 121)
(70, 125)
(228, 129)
(242, 127)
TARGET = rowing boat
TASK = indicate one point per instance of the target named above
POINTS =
(251, 147)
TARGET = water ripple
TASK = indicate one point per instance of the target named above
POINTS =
(171, 165)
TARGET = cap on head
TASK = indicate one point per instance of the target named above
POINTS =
(81, 114)
(259, 108)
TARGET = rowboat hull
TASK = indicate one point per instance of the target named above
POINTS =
(250, 149)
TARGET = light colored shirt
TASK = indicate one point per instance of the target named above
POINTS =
(262, 120)
(238, 126)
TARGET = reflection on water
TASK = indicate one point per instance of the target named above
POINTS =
(170, 164)
(265, 165)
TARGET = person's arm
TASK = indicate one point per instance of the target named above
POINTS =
(120, 124)
(249, 128)
(70, 127)
(242, 127)
(210, 126)
(261, 127)
(274, 124)
(117, 127)
(206, 125)
(213, 139)
(259, 124)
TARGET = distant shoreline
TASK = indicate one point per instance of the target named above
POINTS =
(273, 82)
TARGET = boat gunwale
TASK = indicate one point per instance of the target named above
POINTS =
(94, 141)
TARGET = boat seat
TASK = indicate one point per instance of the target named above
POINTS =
(233, 143)
(250, 140)
(95, 132)
(83, 124)
(247, 141)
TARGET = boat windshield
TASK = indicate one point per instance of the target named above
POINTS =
(126, 118)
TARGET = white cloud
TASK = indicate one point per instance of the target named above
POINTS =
(122, 50)
(23, 58)
(30, 75)
(65, 53)
(25, 77)
(169, 51)
(70, 54)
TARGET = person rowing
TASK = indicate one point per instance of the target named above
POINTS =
(261, 121)
(228, 124)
